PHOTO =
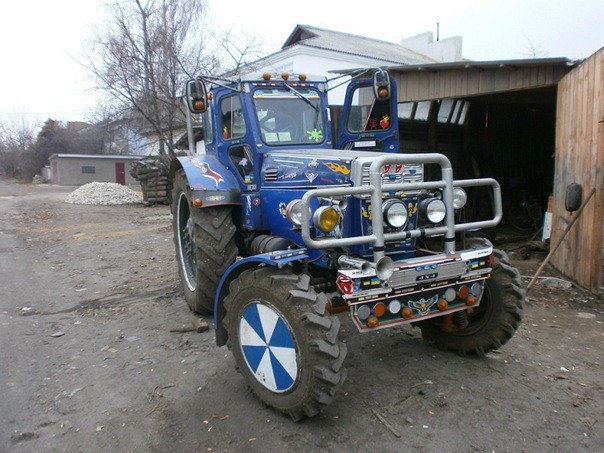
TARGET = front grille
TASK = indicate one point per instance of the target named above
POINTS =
(406, 277)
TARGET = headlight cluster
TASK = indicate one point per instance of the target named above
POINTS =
(395, 214)
(434, 209)
(325, 218)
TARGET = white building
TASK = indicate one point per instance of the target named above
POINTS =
(317, 52)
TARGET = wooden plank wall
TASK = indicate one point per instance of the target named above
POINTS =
(580, 159)
(429, 84)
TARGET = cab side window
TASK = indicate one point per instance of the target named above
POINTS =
(231, 116)
(366, 113)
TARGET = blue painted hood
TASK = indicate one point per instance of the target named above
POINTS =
(308, 167)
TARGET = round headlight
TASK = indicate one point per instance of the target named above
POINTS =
(434, 210)
(459, 197)
(293, 212)
(326, 218)
(395, 214)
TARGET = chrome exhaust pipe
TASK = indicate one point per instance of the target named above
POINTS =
(357, 263)
(384, 268)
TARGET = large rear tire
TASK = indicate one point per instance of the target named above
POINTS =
(494, 321)
(205, 245)
(284, 342)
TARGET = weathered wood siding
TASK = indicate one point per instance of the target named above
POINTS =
(580, 159)
(426, 84)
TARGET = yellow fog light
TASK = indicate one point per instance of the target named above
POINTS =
(326, 218)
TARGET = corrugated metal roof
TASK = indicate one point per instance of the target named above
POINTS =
(304, 35)
(495, 64)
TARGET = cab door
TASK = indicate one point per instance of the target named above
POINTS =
(368, 123)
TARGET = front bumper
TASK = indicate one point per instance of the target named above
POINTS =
(419, 288)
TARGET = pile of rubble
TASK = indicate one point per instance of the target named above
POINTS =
(37, 179)
(103, 193)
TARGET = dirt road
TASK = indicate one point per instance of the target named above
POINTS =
(89, 295)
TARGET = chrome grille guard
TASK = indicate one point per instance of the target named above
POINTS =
(375, 189)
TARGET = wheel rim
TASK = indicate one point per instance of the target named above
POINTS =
(269, 347)
(480, 315)
(186, 244)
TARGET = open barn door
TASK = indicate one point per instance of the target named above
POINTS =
(580, 159)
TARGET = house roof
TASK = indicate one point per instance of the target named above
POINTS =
(345, 43)
(94, 156)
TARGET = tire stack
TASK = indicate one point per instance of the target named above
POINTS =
(153, 176)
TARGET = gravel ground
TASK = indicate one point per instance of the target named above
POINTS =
(92, 358)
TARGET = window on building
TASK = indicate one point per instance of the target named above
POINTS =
(88, 169)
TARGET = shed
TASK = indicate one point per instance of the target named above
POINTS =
(79, 169)
(535, 125)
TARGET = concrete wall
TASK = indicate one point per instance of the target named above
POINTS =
(69, 170)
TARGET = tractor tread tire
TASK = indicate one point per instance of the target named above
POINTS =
(321, 354)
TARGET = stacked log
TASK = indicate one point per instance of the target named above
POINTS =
(153, 177)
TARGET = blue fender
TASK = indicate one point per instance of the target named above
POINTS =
(209, 180)
(278, 258)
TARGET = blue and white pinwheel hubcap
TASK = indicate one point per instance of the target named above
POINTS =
(268, 347)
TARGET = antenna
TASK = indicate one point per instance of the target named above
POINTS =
(438, 31)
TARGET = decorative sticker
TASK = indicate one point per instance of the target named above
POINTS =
(313, 163)
(366, 212)
(411, 209)
(315, 135)
(311, 176)
(423, 306)
(290, 175)
(337, 168)
(283, 210)
(207, 171)
(385, 122)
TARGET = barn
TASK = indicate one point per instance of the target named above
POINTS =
(535, 125)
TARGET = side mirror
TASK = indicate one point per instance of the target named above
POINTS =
(197, 96)
(381, 85)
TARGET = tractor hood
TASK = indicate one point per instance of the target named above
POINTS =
(308, 168)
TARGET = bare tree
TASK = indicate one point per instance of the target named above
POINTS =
(17, 135)
(534, 51)
(143, 56)
(238, 50)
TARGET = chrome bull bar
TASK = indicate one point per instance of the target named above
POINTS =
(375, 189)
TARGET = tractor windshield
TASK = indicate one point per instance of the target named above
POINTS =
(289, 116)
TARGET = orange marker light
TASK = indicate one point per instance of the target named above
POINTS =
(407, 313)
(285, 76)
(442, 304)
(463, 292)
(373, 322)
(302, 77)
(197, 203)
(266, 76)
(472, 300)
(379, 309)
(199, 104)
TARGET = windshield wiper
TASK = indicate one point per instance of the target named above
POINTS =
(298, 94)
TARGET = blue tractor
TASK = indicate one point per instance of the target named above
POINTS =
(278, 228)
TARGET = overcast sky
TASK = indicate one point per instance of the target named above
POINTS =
(40, 40)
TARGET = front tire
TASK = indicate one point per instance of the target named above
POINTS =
(492, 323)
(284, 342)
(205, 245)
